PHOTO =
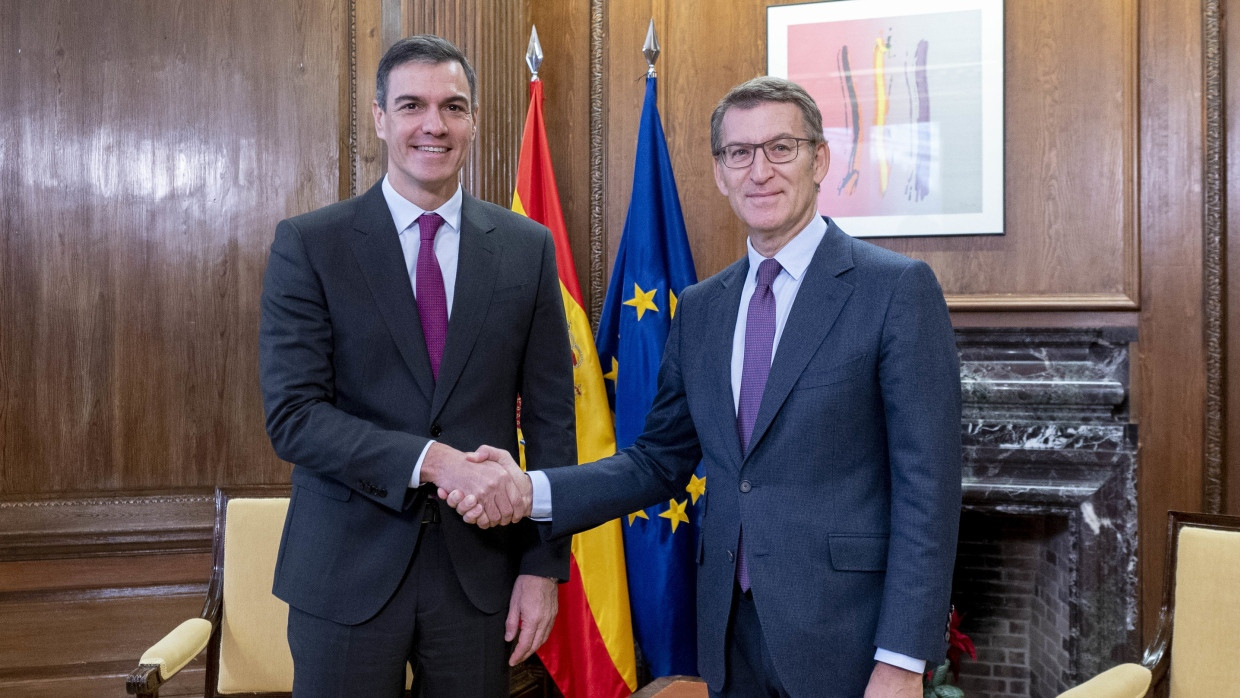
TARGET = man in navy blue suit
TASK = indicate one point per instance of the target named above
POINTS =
(817, 380)
(376, 377)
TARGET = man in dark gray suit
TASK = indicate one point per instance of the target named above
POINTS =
(817, 380)
(374, 373)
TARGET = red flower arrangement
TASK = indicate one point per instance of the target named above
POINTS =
(936, 684)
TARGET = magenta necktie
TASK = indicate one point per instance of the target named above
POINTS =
(759, 341)
(432, 301)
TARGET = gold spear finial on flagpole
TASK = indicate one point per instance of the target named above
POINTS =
(651, 50)
(534, 54)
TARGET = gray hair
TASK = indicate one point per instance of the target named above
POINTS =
(422, 48)
(762, 90)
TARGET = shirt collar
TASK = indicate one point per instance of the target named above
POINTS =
(795, 256)
(405, 212)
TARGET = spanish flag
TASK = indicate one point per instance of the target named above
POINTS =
(590, 650)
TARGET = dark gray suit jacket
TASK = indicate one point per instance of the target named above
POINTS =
(351, 401)
(850, 493)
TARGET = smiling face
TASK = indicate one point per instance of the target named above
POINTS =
(428, 124)
(775, 202)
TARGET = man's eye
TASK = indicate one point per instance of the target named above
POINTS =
(779, 148)
(738, 153)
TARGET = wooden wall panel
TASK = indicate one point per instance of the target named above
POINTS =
(1171, 364)
(564, 32)
(149, 149)
(87, 584)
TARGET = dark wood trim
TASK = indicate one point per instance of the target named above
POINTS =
(42, 527)
(598, 143)
(1214, 166)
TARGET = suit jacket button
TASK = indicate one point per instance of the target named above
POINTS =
(436, 431)
(745, 486)
(381, 492)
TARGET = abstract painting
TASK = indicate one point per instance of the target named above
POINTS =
(911, 94)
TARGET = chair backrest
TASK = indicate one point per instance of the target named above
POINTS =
(249, 652)
(253, 645)
(1205, 638)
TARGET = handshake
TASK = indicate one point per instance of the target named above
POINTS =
(486, 487)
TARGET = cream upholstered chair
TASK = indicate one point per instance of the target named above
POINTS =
(242, 625)
(1196, 648)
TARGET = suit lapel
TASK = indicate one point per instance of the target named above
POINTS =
(377, 247)
(818, 303)
(717, 360)
(475, 281)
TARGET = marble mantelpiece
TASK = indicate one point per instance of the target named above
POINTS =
(1046, 433)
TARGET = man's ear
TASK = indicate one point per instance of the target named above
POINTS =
(719, 174)
(822, 161)
(380, 119)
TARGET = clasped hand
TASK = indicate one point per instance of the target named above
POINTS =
(488, 489)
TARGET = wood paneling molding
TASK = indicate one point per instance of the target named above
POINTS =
(1214, 267)
(1231, 255)
(52, 527)
(1014, 302)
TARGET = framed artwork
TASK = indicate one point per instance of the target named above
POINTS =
(911, 94)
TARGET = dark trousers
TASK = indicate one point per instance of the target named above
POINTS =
(456, 650)
(749, 671)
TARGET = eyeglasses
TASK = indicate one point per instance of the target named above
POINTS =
(777, 150)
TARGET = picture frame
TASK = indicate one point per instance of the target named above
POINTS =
(911, 93)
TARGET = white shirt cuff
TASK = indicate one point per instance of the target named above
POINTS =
(416, 481)
(900, 660)
(540, 510)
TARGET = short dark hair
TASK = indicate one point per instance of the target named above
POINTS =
(759, 91)
(422, 48)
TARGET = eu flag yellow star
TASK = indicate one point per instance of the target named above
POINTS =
(676, 513)
(639, 514)
(696, 487)
(642, 300)
(615, 370)
(672, 302)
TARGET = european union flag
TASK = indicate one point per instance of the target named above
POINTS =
(653, 267)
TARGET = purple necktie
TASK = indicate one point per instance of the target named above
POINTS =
(759, 341)
(432, 301)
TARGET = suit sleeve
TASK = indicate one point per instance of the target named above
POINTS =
(919, 376)
(548, 406)
(653, 469)
(298, 385)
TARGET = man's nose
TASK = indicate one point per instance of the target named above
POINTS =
(760, 169)
(434, 122)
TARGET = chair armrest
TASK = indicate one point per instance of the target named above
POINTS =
(168, 656)
(1123, 681)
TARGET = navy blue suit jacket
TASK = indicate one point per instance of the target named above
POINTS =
(351, 400)
(850, 493)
